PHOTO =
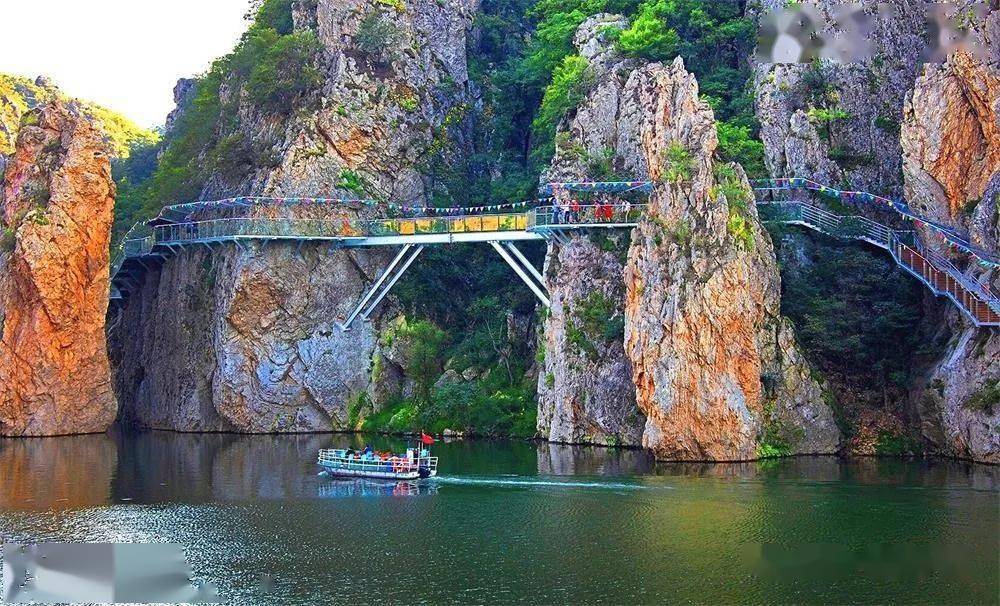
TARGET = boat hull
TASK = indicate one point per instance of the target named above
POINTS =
(382, 475)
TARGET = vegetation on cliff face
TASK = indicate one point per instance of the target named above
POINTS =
(18, 95)
(860, 320)
(270, 69)
(468, 310)
(484, 393)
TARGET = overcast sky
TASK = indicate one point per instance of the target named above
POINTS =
(124, 54)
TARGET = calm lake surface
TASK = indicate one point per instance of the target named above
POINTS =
(517, 522)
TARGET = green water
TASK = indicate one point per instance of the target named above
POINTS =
(515, 522)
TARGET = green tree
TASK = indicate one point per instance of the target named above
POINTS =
(714, 38)
(737, 144)
(424, 351)
(286, 72)
(568, 89)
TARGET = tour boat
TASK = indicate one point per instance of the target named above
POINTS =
(415, 463)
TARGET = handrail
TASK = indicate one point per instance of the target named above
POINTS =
(953, 235)
(973, 298)
(587, 215)
(893, 240)
(268, 227)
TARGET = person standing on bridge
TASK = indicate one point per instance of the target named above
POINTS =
(561, 205)
(607, 209)
(574, 214)
(556, 208)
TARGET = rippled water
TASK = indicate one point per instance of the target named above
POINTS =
(517, 522)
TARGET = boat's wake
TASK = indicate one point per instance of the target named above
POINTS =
(535, 483)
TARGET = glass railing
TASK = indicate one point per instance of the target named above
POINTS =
(267, 227)
(552, 217)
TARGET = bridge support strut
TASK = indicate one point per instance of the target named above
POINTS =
(524, 269)
(381, 287)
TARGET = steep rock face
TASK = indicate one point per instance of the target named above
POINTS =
(57, 204)
(862, 146)
(585, 390)
(715, 366)
(959, 405)
(628, 119)
(951, 142)
(378, 109)
(951, 162)
(245, 339)
(240, 347)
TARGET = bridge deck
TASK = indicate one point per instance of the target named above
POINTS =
(977, 300)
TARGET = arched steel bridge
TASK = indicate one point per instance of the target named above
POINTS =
(176, 229)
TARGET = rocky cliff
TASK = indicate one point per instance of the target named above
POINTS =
(928, 132)
(585, 390)
(716, 368)
(951, 145)
(18, 96)
(951, 164)
(56, 211)
(839, 122)
(245, 339)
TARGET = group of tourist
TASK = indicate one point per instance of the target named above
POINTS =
(566, 209)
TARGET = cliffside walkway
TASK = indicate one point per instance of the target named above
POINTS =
(175, 229)
(164, 237)
(936, 272)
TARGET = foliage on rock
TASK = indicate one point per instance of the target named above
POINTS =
(19, 95)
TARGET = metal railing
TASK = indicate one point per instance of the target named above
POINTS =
(851, 227)
(955, 236)
(934, 270)
(319, 229)
(943, 278)
(552, 217)
(937, 272)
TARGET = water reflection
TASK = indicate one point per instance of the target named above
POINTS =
(566, 460)
(333, 488)
(56, 473)
(517, 521)
(162, 467)
(926, 473)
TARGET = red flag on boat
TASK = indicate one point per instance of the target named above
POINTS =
(426, 439)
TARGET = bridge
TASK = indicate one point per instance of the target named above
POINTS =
(238, 221)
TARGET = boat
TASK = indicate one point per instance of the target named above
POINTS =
(416, 463)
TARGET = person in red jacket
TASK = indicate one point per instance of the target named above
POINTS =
(574, 207)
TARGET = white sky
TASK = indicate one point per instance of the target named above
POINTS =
(123, 54)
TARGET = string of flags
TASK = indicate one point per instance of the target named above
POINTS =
(604, 187)
(405, 207)
(546, 192)
(948, 236)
